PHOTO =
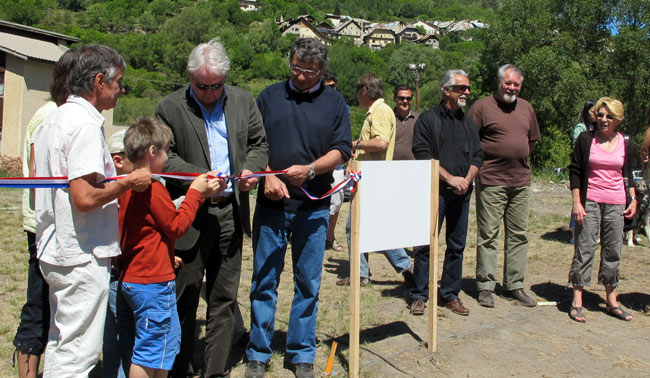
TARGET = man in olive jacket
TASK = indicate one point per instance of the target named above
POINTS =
(217, 128)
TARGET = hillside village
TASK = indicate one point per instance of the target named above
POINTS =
(372, 34)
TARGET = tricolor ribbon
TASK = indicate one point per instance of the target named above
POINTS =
(62, 182)
(352, 180)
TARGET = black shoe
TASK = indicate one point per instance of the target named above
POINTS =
(304, 370)
(485, 298)
(409, 277)
(520, 296)
(255, 369)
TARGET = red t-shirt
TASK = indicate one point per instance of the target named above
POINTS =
(505, 131)
(149, 225)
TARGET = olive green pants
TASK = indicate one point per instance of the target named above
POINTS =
(494, 205)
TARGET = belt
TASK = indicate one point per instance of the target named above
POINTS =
(219, 200)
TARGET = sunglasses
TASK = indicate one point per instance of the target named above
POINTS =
(601, 115)
(297, 70)
(460, 88)
(205, 87)
(402, 98)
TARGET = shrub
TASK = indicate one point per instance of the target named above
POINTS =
(10, 166)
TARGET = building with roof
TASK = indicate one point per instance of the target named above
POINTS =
(379, 37)
(302, 27)
(27, 59)
(249, 5)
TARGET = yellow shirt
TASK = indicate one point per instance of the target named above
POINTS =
(379, 123)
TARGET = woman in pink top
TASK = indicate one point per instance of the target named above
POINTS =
(600, 165)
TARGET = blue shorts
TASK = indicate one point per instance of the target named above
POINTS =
(157, 329)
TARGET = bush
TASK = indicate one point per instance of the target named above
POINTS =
(10, 166)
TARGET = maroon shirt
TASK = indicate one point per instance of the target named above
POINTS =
(505, 131)
(404, 136)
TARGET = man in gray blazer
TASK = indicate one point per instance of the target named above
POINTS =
(217, 128)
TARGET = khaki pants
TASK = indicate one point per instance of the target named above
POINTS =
(608, 220)
(494, 205)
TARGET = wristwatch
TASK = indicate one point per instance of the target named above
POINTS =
(311, 174)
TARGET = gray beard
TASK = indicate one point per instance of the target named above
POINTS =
(507, 98)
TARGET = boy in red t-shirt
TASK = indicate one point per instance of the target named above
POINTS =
(149, 225)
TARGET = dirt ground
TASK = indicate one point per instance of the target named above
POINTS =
(509, 340)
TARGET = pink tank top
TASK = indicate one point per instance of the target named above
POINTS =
(605, 183)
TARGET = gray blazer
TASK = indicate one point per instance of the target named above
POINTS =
(189, 151)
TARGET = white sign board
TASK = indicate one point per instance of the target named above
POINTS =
(395, 205)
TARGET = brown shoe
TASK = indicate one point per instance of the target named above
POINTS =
(417, 307)
(520, 296)
(456, 306)
(485, 298)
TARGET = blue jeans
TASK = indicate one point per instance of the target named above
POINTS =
(455, 209)
(272, 230)
(125, 328)
(112, 365)
(396, 257)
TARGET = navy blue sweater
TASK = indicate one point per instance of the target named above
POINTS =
(300, 128)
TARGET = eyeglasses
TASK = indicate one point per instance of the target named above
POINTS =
(402, 98)
(205, 87)
(601, 115)
(297, 70)
(460, 88)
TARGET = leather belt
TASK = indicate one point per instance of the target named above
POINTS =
(218, 200)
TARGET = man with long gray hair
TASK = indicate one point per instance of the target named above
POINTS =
(508, 130)
(445, 133)
(217, 128)
(76, 228)
(308, 127)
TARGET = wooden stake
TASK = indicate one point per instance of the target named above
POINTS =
(355, 323)
(433, 257)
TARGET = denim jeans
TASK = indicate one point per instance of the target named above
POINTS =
(398, 258)
(455, 209)
(272, 230)
(112, 364)
(125, 328)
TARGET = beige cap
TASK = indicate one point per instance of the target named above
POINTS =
(116, 142)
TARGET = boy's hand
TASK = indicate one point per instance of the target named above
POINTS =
(178, 262)
(208, 187)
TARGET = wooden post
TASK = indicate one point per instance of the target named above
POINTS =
(433, 257)
(355, 324)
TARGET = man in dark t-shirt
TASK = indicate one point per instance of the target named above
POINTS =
(445, 133)
(508, 130)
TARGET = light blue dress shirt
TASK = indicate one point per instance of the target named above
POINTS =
(215, 128)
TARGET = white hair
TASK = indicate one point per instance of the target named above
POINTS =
(212, 56)
(448, 79)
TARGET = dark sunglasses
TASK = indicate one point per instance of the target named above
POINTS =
(205, 87)
(402, 98)
(601, 115)
(460, 88)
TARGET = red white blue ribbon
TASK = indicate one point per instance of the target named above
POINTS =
(62, 182)
(352, 180)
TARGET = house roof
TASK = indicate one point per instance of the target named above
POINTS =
(28, 31)
(29, 48)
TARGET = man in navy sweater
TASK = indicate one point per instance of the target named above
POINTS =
(308, 131)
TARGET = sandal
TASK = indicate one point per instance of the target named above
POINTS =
(621, 316)
(333, 245)
(575, 313)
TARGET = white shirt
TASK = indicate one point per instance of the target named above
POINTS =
(71, 143)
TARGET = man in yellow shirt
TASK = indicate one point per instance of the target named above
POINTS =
(376, 142)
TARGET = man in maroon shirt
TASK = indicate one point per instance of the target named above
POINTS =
(405, 120)
(508, 130)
